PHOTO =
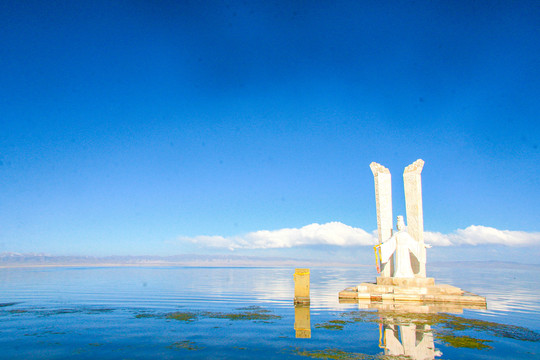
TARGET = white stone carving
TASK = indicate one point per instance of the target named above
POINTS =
(412, 181)
(400, 246)
(403, 255)
(383, 199)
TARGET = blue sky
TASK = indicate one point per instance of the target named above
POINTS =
(135, 127)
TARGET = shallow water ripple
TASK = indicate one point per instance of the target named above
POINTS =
(175, 312)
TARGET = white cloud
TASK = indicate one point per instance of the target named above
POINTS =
(436, 239)
(332, 233)
(483, 235)
(341, 235)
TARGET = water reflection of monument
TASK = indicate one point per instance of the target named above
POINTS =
(404, 334)
(412, 340)
(405, 327)
(302, 321)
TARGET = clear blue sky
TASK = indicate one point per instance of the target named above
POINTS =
(125, 125)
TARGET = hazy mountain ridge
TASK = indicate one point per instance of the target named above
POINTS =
(490, 263)
(10, 259)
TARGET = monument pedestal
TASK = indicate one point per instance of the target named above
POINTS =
(393, 289)
(404, 282)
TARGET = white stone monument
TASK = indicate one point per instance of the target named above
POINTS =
(383, 198)
(401, 256)
(397, 249)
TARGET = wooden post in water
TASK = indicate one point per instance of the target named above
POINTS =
(301, 286)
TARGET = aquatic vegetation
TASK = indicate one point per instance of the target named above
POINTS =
(329, 326)
(253, 313)
(241, 316)
(8, 304)
(332, 325)
(45, 333)
(336, 354)
(250, 313)
(58, 312)
(463, 341)
(98, 310)
(360, 316)
(184, 345)
(182, 316)
(253, 308)
(18, 311)
(147, 315)
(515, 332)
(40, 312)
(445, 321)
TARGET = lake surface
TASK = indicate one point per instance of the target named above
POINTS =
(248, 313)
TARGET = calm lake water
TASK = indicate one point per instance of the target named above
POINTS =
(248, 313)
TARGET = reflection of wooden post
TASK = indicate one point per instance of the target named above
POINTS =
(301, 286)
(302, 321)
(412, 181)
(383, 198)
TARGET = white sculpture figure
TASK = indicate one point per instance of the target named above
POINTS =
(401, 244)
(413, 200)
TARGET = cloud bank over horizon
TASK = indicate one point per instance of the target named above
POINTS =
(483, 235)
(332, 233)
(342, 235)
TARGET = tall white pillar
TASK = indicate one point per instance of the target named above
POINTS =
(412, 181)
(383, 198)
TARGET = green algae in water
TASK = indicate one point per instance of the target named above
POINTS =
(329, 326)
(463, 341)
(336, 354)
(184, 345)
(59, 312)
(147, 315)
(250, 313)
(182, 316)
(253, 308)
(45, 333)
(253, 313)
(515, 332)
(446, 321)
(360, 316)
(18, 311)
(85, 310)
(8, 304)
(332, 325)
(242, 316)
(98, 310)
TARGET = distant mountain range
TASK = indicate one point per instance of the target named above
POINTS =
(10, 259)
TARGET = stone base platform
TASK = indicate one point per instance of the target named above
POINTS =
(410, 289)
